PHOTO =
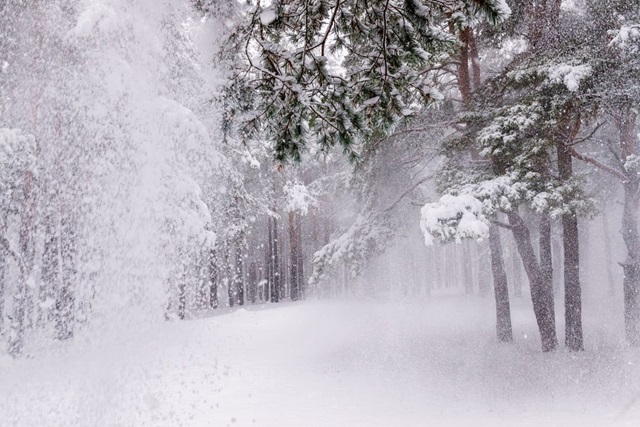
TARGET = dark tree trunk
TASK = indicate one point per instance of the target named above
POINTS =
(570, 243)
(229, 274)
(474, 58)
(293, 256)
(572, 291)
(274, 262)
(300, 259)
(238, 276)
(541, 291)
(500, 287)
(630, 235)
(3, 267)
(546, 257)
(253, 282)
(213, 279)
(631, 266)
(2, 287)
(464, 82)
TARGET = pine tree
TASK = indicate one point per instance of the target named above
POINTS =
(334, 73)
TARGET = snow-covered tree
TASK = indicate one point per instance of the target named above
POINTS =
(335, 73)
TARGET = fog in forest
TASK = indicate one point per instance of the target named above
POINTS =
(319, 213)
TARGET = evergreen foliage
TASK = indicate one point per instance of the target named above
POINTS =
(335, 73)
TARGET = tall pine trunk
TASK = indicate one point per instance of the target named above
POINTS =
(274, 261)
(571, 246)
(631, 265)
(238, 276)
(2, 287)
(293, 258)
(630, 235)
(546, 259)
(541, 291)
(300, 258)
(213, 279)
(500, 287)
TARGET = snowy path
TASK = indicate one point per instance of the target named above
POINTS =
(329, 364)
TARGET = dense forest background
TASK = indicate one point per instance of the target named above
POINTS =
(167, 159)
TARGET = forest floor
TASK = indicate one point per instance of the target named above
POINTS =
(320, 363)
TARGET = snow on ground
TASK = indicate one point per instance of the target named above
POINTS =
(321, 363)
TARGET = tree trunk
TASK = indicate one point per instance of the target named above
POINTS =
(500, 287)
(541, 291)
(2, 271)
(238, 276)
(213, 279)
(546, 259)
(464, 82)
(253, 282)
(293, 256)
(631, 266)
(3, 266)
(274, 262)
(474, 58)
(571, 246)
(300, 258)
(572, 291)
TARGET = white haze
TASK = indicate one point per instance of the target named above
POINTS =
(400, 345)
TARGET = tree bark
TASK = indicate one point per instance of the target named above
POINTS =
(474, 58)
(630, 235)
(300, 258)
(571, 248)
(238, 276)
(500, 287)
(253, 282)
(213, 279)
(546, 259)
(631, 266)
(293, 255)
(274, 262)
(541, 292)
(464, 82)
(2, 288)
